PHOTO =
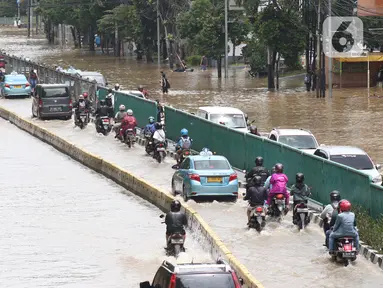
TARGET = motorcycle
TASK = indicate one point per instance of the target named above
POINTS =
(160, 152)
(104, 126)
(277, 206)
(148, 143)
(257, 218)
(302, 218)
(83, 119)
(345, 250)
(185, 153)
(129, 137)
(175, 243)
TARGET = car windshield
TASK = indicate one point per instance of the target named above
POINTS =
(229, 120)
(205, 281)
(15, 78)
(359, 162)
(99, 79)
(55, 92)
(211, 165)
(299, 141)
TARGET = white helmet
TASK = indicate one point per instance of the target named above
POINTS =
(81, 97)
(122, 108)
(129, 112)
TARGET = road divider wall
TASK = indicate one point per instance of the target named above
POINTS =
(138, 186)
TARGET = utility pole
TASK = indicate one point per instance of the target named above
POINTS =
(226, 39)
(329, 58)
(158, 34)
(319, 52)
(18, 11)
(29, 18)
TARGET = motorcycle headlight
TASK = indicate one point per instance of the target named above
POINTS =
(377, 179)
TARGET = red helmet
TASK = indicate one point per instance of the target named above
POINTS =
(344, 206)
(85, 94)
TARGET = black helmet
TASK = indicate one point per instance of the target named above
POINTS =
(335, 196)
(110, 90)
(259, 161)
(278, 168)
(257, 181)
(299, 178)
(175, 206)
(158, 125)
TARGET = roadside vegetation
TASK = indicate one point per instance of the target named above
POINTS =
(370, 230)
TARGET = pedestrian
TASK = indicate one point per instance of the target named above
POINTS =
(308, 80)
(165, 85)
(160, 111)
(203, 63)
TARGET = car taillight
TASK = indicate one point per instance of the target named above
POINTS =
(27, 84)
(195, 177)
(40, 103)
(7, 85)
(186, 152)
(70, 104)
(172, 283)
(233, 177)
(236, 281)
(279, 196)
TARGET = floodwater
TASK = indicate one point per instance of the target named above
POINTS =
(348, 118)
(280, 256)
(62, 225)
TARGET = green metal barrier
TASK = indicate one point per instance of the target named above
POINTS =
(101, 93)
(376, 200)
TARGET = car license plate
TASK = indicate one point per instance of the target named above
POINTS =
(348, 254)
(177, 241)
(280, 201)
(302, 210)
(17, 86)
(55, 109)
(214, 179)
(160, 149)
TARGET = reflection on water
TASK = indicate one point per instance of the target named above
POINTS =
(349, 118)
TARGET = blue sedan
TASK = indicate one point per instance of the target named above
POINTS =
(202, 175)
(15, 85)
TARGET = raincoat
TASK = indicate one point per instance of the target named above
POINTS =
(278, 182)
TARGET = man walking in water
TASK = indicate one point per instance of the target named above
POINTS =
(203, 63)
(164, 83)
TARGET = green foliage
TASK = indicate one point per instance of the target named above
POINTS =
(255, 53)
(370, 230)
(193, 60)
(239, 28)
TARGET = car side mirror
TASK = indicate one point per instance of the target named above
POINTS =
(106, 83)
(175, 167)
(378, 166)
(192, 113)
(162, 216)
(243, 194)
(240, 281)
(145, 284)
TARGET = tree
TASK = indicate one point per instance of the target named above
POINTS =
(255, 53)
(203, 26)
(238, 29)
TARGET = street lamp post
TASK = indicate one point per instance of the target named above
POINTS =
(226, 39)
(330, 58)
(158, 34)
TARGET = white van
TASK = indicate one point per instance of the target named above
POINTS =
(228, 116)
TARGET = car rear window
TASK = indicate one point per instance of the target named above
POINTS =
(299, 141)
(55, 92)
(211, 165)
(205, 280)
(359, 162)
(18, 78)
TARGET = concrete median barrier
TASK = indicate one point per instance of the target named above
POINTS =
(138, 186)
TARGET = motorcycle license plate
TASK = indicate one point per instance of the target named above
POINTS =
(160, 149)
(177, 241)
(302, 210)
(348, 254)
(214, 179)
(279, 201)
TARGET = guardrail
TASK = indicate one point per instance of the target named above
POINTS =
(240, 148)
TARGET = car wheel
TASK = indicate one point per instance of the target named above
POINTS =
(184, 194)
(174, 190)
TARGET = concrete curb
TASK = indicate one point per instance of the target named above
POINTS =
(368, 253)
(139, 186)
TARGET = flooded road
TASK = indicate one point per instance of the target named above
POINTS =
(279, 257)
(62, 225)
(349, 118)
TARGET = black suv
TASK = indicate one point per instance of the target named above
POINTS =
(195, 275)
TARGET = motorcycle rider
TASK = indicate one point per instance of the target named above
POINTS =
(143, 91)
(118, 118)
(109, 101)
(158, 136)
(184, 142)
(267, 182)
(150, 127)
(256, 195)
(88, 102)
(129, 122)
(258, 170)
(116, 87)
(330, 213)
(254, 130)
(102, 111)
(279, 181)
(345, 225)
(300, 192)
(175, 220)
(80, 106)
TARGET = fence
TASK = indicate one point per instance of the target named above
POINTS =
(47, 75)
(240, 148)
(11, 20)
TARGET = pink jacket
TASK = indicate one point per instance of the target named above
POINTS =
(278, 182)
